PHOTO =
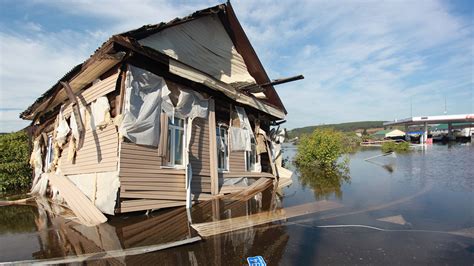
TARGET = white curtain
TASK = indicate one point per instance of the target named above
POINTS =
(241, 137)
(141, 118)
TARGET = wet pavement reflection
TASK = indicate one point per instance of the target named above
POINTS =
(408, 208)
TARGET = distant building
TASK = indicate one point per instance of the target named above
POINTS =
(389, 133)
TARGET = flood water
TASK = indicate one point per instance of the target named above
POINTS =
(414, 208)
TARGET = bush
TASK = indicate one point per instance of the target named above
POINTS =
(351, 141)
(15, 171)
(393, 146)
(322, 148)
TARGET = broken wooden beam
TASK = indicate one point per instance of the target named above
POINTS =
(253, 88)
(76, 112)
(229, 225)
(86, 212)
(16, 202)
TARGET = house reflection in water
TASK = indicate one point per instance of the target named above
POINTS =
(59, 237)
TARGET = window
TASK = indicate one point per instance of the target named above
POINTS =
(222, 149)
(251, 157)
(175, 142)
(49, 153)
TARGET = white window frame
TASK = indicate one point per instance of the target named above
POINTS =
(226, 152)
(171, 140)
(253, 144)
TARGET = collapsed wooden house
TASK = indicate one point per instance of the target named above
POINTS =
(160, 116)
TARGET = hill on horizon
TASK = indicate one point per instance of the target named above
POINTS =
(345, 127)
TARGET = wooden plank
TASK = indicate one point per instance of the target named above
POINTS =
(151, 180)
(247, 174)
(133, 146)
(93, 162)
(86, 212)
(155, 170)
(108, 146)
(95, 91)
(231, 189)
(162, 183)
(259, 185)
(214, 177)
(164, 195)
(91, 158)
(75, 109)
(156, 160)
(133, 160)
(79, 169)
(128, 187)
(229, 225)
(140, 202)
(152, 206)
(151, 175)
(123, 78)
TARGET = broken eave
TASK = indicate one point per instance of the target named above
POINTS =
(81, 75)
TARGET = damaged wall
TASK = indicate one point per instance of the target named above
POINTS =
(98, 154)
(204, 44)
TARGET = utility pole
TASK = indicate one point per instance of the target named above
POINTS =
(445, 107)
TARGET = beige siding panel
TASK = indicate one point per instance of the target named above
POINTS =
(150, 205)
(143, 178)
(95, 91)
(150, 187)
(148, 183)
(199, 146)
(98, 153)
(248, 174)
(200, 156)
(149, 175)
(201, 184)
(140, 169)
(237, 161)
(181, 196)
(138, 157)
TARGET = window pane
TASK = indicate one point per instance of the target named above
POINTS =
(251, 157)
(168, 146)
(179, 122)
(222, 148)
(178, 159)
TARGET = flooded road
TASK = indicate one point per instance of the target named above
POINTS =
(414, 208)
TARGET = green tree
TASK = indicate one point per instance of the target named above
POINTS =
(322, 148)
(15, 172)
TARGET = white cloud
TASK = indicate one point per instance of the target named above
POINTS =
(32, 63)
(372, 58)
(362, 59)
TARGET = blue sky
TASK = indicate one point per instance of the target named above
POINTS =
(363, 60)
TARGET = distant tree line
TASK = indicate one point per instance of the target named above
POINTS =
(344, 127)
